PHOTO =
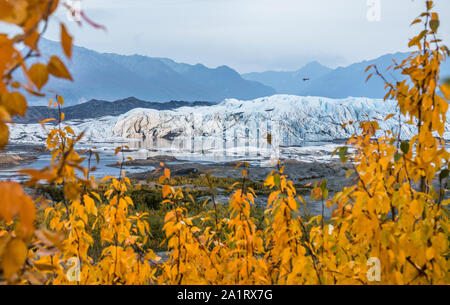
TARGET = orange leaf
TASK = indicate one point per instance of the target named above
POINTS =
(16, 203)
(4, 135)
(39, 75)
(445, 89)
(389, 116)
(15, 11)
(167, 173)
(32, 40)
(66, 41)
(15, 103)
(57, 68)
(166, 190)
(14, 257)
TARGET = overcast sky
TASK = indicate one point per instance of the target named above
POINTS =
(252, 35)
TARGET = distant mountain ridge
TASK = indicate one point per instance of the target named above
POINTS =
(99, 108)
(289, 82)
(342, 82)
(107, 76)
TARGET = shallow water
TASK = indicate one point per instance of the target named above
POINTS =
(191, 150)
(102, 170)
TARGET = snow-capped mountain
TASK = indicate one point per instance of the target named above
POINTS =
(289, 119)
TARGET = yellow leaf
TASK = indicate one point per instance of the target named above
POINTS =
(60, 100)
(96, 196)
(292, 203)
(416, 207)
(90, 205)
(300, 198)
(429, 253)
(69, 130)
(106, 178)
(141, 227)
(269, 181)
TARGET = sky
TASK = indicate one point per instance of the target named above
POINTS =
(251, 35)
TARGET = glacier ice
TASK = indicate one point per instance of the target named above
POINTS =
(291, 120)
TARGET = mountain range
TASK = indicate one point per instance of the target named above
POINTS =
(290, 82)
(111, 77)
(315, 79)
(106, 76)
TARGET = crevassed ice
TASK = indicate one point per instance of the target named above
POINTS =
(290, 120)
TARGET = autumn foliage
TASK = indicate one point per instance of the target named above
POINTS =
(390, 227)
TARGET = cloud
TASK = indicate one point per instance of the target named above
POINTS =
(251, 35)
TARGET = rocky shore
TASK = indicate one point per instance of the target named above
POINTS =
(19, 154)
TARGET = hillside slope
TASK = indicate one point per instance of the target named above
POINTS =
(99, 108)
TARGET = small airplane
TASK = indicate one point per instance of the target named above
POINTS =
(305, 79)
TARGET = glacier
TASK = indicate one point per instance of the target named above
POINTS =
(290, 119)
